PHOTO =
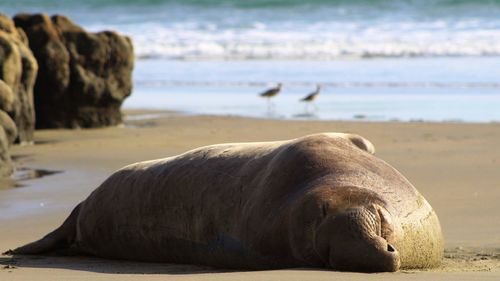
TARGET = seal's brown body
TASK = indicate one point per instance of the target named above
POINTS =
(318, 201)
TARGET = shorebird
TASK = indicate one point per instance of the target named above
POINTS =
(271, 92)
(268, 94)
(311, 97)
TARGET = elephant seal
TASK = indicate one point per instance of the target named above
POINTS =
(322, 200)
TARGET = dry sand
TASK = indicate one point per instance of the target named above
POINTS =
(455, 166)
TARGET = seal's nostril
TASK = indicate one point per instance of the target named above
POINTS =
(390, 248)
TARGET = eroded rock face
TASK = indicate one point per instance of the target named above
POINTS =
(18, 70)
(8, 134)
(6, 167)
(9, 127)
(6, 97)
(84, 77)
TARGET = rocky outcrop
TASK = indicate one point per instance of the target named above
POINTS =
(84, 77)
(8, 133)
(9, 127)
(6, 167)
(78, 79)
(18, 69)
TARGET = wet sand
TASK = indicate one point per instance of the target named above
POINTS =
(455, 166)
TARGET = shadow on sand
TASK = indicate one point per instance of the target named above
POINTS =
(99, 265)
(306, 115)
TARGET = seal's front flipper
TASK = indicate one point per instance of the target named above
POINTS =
(59, 240)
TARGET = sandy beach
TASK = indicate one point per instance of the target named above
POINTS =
(454, 165)
(419, 79)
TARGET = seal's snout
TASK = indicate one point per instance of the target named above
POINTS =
(394, 259)
(372, 256)
(358, 239)
(383, 257)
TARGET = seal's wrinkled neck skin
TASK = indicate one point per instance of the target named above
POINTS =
(358, 239)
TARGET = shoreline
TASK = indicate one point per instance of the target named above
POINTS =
(137, 114)
(454, 165)
(373, 94)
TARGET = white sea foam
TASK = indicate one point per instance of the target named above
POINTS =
(316, 40)
(289, 29)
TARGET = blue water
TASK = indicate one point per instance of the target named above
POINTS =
(435, 60)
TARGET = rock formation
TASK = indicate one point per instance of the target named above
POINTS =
(8, 133)
(84, 77)
(18, 69)
(78, 79)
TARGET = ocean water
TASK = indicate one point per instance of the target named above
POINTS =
(431, 89)
(435, 60)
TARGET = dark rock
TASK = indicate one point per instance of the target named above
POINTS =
(84, 77)
(53, 60)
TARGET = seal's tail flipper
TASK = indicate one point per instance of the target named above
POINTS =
(58, 240)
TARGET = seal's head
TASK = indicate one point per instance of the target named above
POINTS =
(359, 238)
(345, 228)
